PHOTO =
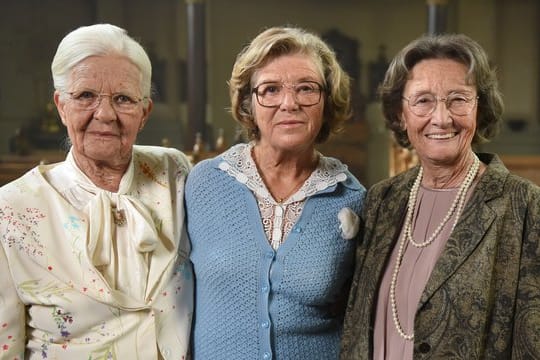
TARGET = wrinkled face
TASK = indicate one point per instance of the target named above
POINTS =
(103, 134)
(288, 81)
(441, 137)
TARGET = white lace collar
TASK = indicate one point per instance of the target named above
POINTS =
(238, 163)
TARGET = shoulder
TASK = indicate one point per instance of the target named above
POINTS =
(498, 181)
(203, 167)
(29, 186)
(335, 168)
(204, 174)
(161, 155)
(231, 156)
(399, 183)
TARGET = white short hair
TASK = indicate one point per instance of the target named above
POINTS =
(98, 40)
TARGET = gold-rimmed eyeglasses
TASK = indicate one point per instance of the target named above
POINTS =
(456, 103)
(90, 100)
(271, 94)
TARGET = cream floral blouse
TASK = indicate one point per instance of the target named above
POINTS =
(89, 274)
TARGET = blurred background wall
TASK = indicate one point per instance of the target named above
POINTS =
(365, 33)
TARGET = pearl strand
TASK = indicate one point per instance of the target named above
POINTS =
(458, 204)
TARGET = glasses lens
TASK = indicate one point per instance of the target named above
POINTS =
(124, 103)
(307, 93)
(422, 105)
(457, 104)
(272, 94)
(84, 99)
(269, 94)
(89, 100)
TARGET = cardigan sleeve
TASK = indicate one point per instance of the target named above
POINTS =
(12, 314)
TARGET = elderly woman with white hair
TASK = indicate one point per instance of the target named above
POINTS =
(94, 253)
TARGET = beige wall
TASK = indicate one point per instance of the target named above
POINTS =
(31, 29)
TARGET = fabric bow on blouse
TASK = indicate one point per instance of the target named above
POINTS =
(120, 251)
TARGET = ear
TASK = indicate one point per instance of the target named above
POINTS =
(60, 104)
(402, 123)
(146, 113)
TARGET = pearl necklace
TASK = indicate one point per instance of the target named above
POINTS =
(457, 207)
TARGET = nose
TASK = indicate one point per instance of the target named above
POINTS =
(104, 109)
(288, 100)
(441, 115)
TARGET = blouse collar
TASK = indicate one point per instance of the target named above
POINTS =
(108, 210)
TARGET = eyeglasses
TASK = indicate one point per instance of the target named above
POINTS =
(90, 100)
(425, 104)
(271, 94)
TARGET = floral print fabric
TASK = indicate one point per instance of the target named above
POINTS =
(54, 301)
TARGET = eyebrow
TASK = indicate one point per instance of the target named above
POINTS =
(450, 92)
(301, 80)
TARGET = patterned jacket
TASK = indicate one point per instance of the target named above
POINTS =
(482, 300)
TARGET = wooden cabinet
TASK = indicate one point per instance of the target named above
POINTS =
(350, 146)
(527, 166)
(14, 166)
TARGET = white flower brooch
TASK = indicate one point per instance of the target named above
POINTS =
(349, 223)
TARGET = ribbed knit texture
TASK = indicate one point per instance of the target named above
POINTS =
(233, 263)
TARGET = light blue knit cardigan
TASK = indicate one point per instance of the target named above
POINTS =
(256, 303)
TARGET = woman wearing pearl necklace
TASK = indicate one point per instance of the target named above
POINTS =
(448, 266)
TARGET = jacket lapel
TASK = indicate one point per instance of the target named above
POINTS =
(387, 219)
(471, 228)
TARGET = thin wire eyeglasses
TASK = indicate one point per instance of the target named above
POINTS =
(271, 94)
(90, 100)
(425, 104)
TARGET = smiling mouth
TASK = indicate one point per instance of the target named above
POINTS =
(442, 136)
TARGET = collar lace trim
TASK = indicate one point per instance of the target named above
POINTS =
(238, 163)
(278, 219)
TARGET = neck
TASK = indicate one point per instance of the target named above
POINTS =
(442, 176)
(102, 174)
(284, 172)
(291, 164)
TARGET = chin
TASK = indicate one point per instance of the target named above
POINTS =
(444, 159)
